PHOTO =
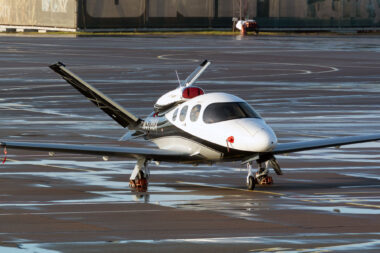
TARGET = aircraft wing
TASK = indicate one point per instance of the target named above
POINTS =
(113, 109)
(128, 152)
(283, 148)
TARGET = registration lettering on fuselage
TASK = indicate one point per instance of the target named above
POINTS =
(150, 123)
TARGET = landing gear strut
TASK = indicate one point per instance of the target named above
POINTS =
(262, 175)
(140, 175)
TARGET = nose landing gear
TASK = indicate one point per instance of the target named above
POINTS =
(262, 175)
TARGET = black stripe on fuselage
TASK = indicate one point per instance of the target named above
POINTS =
(164, 128)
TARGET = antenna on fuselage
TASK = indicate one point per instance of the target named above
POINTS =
(179, 80)
(184, 90)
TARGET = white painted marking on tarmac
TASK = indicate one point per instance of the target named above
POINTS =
(334, 209)
(84, 212)
(29, 108)
(328, 69)
(30, 87)
(41, 185)
(45, 164)
(363, 175)
(167, 57)
(370, 245)
(361, 186)
(297, 239)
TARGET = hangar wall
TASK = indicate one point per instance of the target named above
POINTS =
(218, 13)
(135, 14)
(47, 13)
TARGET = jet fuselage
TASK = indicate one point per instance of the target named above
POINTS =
(214, 126)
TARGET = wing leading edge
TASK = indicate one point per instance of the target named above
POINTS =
(127, 152)
(284, 148)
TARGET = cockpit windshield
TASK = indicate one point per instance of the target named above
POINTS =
(218, 112)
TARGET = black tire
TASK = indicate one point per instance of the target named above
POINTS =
(251, 183)
(141, 175)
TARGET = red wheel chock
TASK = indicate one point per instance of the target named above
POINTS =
(266, 180)
(140, 185)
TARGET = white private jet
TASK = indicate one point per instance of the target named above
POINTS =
(192, 127)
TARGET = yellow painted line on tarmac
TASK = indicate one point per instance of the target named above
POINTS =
(230, 188)
(54, 166)
(270, 249)
(345, 193)
(364, 205)
(317, 251)
(308, 200)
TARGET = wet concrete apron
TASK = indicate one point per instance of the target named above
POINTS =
(305, 88)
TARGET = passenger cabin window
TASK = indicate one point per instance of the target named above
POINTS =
(194, 114)
(218, 112)
(182, 115)
(175, 114)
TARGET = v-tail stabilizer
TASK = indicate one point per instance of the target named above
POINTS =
(109, 106)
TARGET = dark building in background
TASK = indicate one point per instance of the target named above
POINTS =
(149, 14)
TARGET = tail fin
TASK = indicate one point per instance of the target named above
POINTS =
(196, 74)
(113, 109)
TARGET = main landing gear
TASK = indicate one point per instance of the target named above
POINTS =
(262, 175)
(140, 175)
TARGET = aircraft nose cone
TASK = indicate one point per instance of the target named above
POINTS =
(265, 140)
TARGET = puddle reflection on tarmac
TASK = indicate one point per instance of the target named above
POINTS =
(159, 195)
(293, 243)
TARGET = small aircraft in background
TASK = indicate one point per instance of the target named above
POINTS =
(189, 126)
(245, 26)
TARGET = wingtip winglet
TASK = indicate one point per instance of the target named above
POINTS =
(57, 65)
(204, 63)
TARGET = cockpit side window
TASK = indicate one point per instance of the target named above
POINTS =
(218, 112)
(182, 115)
(194, 114)
(175, 114)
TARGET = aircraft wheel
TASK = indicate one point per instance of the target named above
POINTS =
(251, 183)
(141, 175)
